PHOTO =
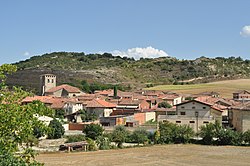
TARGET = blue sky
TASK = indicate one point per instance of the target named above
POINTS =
(186, 29)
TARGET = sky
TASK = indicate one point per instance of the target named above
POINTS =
(185, 29)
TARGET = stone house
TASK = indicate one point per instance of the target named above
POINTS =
(242, 95)
(64, 91)
(194, 113)
(100, 107)
(240, 117)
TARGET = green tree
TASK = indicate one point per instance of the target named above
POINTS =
(246, 137)
(166, 130)
(119, 135)
(103, 142)
(85, 86)
(140, 136)
(164, 105)
(183, 134)
(18, 121)
(115, 91)
(173, 133)
(75, 138)
(228, 137)
(56, 129)
(93, 131)
(85, 116)
(6, 69)
(59, 114)
(207, 133)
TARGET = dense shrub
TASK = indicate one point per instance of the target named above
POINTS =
(119, 135)
(207, 133)
(140, 136)
(103, 142)
(86, 117)
(183, 134)
(56, 129)
(164, 105)
(228, 137)
(8, 159)
(91, 145)
(93, 131)
(75, 138)
(246, 137)
(173, 133)
(216, 134)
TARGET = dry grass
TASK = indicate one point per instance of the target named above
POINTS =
(185, 155)
(225, 88)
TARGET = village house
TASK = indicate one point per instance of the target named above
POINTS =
(207, 93)
(172, 99)
(68, 106)
(99, 107)
(63, 91)
(48, 87)
(72, 109)
(164, 111)
(194, 113)
(240, 117)
(132, 120)
(223, 104)
(242, 96)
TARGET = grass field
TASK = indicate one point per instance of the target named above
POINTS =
(225, 88)
(160, 155)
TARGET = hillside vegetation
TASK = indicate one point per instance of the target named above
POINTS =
(71, 67)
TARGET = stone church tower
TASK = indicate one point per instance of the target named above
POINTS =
(47, 81)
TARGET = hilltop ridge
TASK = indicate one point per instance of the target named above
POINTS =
(73, 67)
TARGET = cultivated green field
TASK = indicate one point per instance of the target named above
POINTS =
(225, 88)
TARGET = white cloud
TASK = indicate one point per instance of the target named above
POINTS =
(26, 53)
(137, 53)
(245, 32)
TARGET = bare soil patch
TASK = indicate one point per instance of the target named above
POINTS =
(185, 155)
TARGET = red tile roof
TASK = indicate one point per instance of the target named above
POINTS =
(43, 99)
(66, 87)
(54, 102)
(98, 103)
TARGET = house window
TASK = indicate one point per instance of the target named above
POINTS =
(183, 107)
(205, 122)
(191, 121)
(204, 107)
(183, 113)
(48, 80)
(193, 107)
(164, 120)
(178, 121)
(52, 80)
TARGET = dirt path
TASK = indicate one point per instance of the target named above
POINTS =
(187, 155)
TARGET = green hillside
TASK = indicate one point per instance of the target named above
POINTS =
(74, 67)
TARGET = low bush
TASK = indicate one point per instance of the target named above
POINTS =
(75, 138)
(173, 133)
(56, 129)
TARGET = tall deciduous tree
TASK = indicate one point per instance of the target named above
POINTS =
(93, 131)
(17, 121)
(119, 135)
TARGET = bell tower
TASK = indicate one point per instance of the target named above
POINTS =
(47, 81)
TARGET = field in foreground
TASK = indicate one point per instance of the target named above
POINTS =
(225, 88)
(186, 155)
